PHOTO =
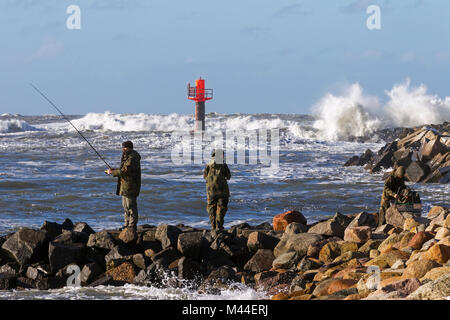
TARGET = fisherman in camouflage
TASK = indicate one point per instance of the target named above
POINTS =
(392, 185)
(216, 175)
(128, 183)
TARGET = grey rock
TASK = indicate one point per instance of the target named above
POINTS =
(296, 227)
(167, 235)
(166, 256)
(363, 219)
(437, 289)
(333, 227)
(61, 254)
(89, 272)
(191, 244)
(286, 260)
(260, 261)
(101, 240)
(83, 227)
(259, 240)
(297, 242)
(26, 245)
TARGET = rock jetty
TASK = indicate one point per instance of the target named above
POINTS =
(423, 151)
(344, 257)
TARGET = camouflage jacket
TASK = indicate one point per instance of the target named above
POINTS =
(129, 175)
(392, 185)
(216, 176)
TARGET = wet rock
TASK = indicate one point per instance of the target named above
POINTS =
(296, 242)
(364, 159)
(53, 229)
(101, 240)
(258, 240)
(7, 282)
(63, 254)
(167, 235)
(26, 245)
(333, 227)
(260, 261)
(191, 244)
(103, 280)
(89, 272)
(166, 256)
(282, 220)
(83, 227)
(188, 269)
(67, 224)
(221, 275)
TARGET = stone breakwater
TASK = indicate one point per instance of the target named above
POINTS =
(344, 257)
(423, 151)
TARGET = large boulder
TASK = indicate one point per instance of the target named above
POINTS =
(62, 254)
(282, 220)
(332, 227)
(188, 269)
(417, 171)
(124, 273)
(166, 257)
(419, 268)
(89, 272)
(167, 235)
(358, 234)
(53, 229)
(396, 218)
(26, 245)
(437, 289)
(259, 240)
(260, 261)
(364, 219)
(128, 236)
(296, 242)
(191, 244)
(101, 240)
(83, 227)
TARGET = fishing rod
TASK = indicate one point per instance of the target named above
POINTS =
(49, 101)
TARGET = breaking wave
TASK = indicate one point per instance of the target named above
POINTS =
(353, 114)
(15, 125)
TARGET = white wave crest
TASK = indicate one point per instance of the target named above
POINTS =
(348, 115)
(354, 114)
(15, 125)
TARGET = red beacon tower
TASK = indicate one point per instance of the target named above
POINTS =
(199, 94)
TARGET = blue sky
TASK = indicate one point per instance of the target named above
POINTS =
(259, 56)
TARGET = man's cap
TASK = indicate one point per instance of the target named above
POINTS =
(400, 172)
(127, 144)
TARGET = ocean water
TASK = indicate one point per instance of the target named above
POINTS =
(47, 172)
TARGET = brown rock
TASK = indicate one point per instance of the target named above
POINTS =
(410, 223)
(405, 286)
(417, 269)
(405, 240)
(302, 297)
(281, 220)
(389, 242)
(435, 273)
(387, 259)
(357, 234)
(314, 248)
(125, 273)
(341, 284)
(280, 296)
(447, 222)
(418, 240)
(442, 233)
(439, 253)
(128, 236)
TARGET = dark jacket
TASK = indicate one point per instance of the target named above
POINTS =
(129, 175)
